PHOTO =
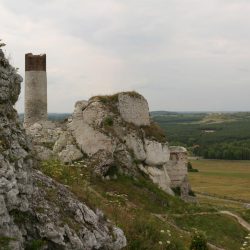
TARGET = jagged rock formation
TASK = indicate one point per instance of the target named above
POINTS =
(133, 108)
(116, 132)
(34, 209)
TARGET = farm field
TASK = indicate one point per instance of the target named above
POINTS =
(222, 178)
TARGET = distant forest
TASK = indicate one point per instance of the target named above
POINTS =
(209, 135)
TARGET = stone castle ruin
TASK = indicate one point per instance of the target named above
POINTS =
(106, 132)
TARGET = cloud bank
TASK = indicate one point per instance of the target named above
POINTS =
(180, 54)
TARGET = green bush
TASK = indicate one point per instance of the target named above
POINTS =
(191, 193)
(4, 242)
(190, 168)
(177, 191)
(35, 245)
(154, 131)
(113, 170)
(199, 241)
(108, 121)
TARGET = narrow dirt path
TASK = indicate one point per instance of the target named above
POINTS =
(241, 221)
(214, 197)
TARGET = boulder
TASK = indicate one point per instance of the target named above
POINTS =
(64, 139)
(70, 153)
(133, 108)
(135, 144)
(177, 165)
(156, 153)
(90, 140)
(159, 176)
(43, 153)
(83, 127)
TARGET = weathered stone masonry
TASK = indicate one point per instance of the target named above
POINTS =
(35, 89)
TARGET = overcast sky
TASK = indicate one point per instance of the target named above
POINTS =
(181, 55)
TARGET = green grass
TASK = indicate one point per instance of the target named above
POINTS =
(155, 131)
(4, 242)
(246, 215)
(221, 230)
(35, 245)
(105, 99)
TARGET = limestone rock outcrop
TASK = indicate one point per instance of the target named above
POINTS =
(133, 108)
(83, 126)
(156, 153)
(177, 165)
(135, 144)
(121, 127)
(159, 176)
(33, 207)
(116, 132)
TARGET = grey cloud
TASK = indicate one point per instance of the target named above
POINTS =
(181, 54)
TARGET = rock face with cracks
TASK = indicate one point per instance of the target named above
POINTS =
(34, 208)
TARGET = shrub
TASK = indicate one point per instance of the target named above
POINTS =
(191, 193)
(4, 242)
(154, 131)
(190, 168)
(113, 170)
(35, 245)
(199, 241)
(108, 121)
(177, 191)
(106, 99)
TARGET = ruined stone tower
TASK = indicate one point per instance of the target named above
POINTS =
(35, 88)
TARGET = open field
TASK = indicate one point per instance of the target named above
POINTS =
(226, 179)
